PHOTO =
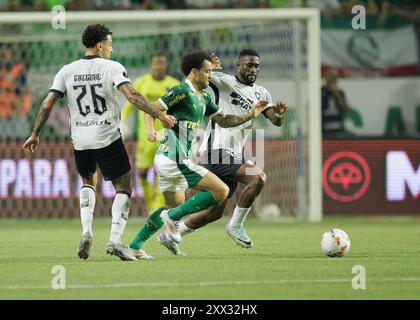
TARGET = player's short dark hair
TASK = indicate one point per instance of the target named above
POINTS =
(193, 60)
(248, 52)
(94, 34)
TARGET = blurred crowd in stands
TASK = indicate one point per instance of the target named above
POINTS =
(329, 8)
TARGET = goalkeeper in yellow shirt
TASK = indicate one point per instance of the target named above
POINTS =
(152, 85)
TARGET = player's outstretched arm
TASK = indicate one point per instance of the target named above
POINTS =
(277, 113)
(230, 120)
(43, 114)
(215, 61)
(135, 98)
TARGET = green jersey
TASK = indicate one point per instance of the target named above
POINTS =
(189, 107)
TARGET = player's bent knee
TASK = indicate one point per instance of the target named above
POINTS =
(223, 193)
(258, 181)
(262, 178)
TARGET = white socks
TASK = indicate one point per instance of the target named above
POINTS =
(237, 220)
(87, 205)
(183, 229)
(238, 216)
(120, 209)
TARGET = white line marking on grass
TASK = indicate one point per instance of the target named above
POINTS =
(204, 284)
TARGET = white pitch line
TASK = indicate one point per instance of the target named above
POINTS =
(210, 283)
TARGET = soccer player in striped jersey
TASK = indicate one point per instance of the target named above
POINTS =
(93, 85)
(222, 149)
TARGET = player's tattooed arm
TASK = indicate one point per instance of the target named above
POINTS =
(43, 114)
(230, 120)
(277, 113)
(135, 98)
(45, 111)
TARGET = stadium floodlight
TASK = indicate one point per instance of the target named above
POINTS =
(288, 41)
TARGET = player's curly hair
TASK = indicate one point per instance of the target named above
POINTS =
(94, 34)
(193, 60)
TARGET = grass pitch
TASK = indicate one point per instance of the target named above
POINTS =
(285, 263)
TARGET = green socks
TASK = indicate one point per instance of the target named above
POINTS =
(198, 202)
(153, 224)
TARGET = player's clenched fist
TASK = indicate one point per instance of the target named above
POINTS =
(31, 144)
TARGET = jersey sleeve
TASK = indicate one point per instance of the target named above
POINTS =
(173, 97)
(212, 109)
(59, 83)
(217, 78)
(119, 75)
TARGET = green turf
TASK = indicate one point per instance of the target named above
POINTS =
(285, 263)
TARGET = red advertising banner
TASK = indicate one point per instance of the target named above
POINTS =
(371, 177)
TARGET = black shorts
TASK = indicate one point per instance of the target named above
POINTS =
(112, 160)
(224, 165)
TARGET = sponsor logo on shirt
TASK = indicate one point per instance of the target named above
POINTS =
(170, 94)
(243, 103)
(177, 99)
(192, 125)
(90, 123)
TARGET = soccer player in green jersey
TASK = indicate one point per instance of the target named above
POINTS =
(152, 86)
(188, 103)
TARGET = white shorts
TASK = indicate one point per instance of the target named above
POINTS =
(173, 176)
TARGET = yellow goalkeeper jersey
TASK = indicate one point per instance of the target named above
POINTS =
(152, 89)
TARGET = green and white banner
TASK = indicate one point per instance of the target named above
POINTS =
(379, 107)
(373, 51)
(383, 107)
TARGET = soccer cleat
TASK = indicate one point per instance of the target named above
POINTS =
(238, 234)
(164, 239)
(84, 246)
(120, 251)
(140, 254)
(171, 227)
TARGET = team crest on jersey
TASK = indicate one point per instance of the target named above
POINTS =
(170, 94)
(258, 95)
